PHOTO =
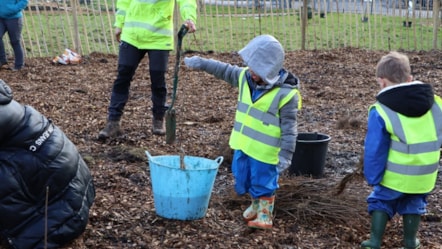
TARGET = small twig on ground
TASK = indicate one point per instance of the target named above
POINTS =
(358, 174)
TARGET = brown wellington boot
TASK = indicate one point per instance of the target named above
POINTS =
(112, 129)
(158, 126)
(252, 211)
(264, 214)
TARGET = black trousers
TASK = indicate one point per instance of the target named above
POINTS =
(128, 61)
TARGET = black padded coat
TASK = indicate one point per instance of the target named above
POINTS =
(39, 165)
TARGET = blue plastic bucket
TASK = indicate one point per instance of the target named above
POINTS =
(182, 193)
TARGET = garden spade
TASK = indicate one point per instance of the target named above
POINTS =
(170, 113)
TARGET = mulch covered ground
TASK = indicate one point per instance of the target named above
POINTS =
(337, 88)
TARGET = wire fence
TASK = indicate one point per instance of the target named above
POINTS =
(86, 26)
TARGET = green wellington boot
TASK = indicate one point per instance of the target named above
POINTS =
(411, 226)
(378, 222)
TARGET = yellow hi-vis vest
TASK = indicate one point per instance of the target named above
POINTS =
(148, 24)
(413, 158)
(257, 130)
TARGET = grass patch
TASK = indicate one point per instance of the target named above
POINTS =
(226, 29)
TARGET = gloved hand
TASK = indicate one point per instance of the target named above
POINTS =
(283, 164)
(194, 62)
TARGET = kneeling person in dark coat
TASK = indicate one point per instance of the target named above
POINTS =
(46, 189)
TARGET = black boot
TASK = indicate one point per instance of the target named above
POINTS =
(378, 222)
(411, 226)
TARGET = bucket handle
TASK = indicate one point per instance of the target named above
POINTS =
(219, 160)
(148, 155)
(182, 166)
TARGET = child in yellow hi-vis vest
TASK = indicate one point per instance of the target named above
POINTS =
(264, 133)
(402, 149)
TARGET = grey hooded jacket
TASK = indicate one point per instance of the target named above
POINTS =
(264, 55)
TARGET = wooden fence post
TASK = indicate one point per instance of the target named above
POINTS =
(304, 21)
(436, 21)
(77, 42)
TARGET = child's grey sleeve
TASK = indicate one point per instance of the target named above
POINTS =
(222, 70)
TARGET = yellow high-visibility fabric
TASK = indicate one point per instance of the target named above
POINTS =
(148, 24)
(406, 178)
(251, 132)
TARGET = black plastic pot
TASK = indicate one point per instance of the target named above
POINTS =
(310, 154)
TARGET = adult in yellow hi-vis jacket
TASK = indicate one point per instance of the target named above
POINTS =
(265, 130)
(402, 149)
(144, 27)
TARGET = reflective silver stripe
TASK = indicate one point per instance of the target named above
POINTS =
(296, 98)
(256, 135)
(402, 146)
(237, 126)
(395, 123)
(265, 117)
(437, 116)
(243, 81)
(152, 1)
(415, 148)
(147, 27)
(282, 93)
(242, 107)
(261, 137)
(270, 116)
(121, 12)
(412, 170)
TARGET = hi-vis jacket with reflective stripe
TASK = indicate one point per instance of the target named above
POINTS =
(148, 24)
(257, 130)
(413, 158)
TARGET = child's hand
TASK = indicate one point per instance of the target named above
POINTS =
(283, 164)
(194, 62)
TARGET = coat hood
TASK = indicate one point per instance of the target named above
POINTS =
(412, 99)
(265, 56)
(287, 80)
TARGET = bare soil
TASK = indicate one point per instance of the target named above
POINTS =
(337, 88)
